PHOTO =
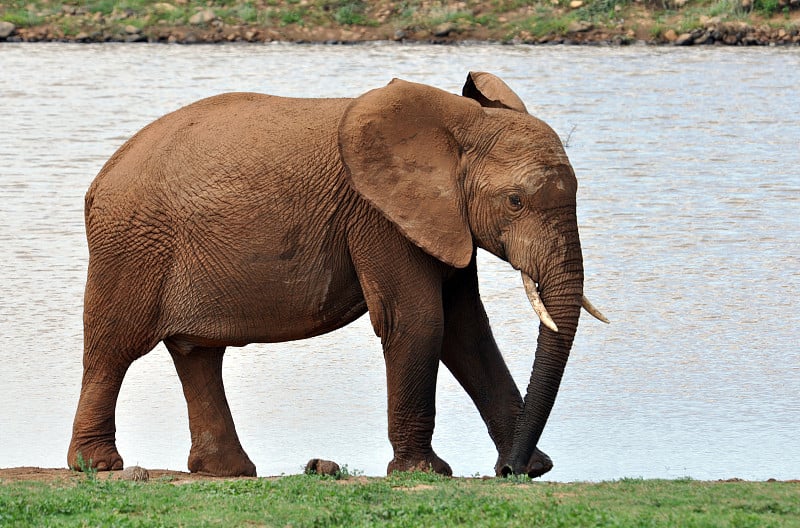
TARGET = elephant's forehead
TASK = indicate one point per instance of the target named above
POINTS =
(540, 147)
(559, 177)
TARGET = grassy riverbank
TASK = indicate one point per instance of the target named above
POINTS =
(732, 22)
(399, 500)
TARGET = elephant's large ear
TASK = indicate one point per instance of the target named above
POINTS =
(401, 155)
(489, 90)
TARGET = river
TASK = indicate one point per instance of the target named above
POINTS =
(689, 205)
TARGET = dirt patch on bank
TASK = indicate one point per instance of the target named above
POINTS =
(66, 476)
(62, 476)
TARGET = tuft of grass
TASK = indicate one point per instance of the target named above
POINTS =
(291, 16)
(22, 17)
(767, 7)
(345, 472)
(86, 467)
(541, 24)
(601, 10)
(351, 13)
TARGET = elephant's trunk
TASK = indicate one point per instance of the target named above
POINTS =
(561, 290)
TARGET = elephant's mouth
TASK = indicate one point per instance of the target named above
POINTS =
(532, 291)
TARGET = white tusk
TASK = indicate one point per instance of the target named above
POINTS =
(589, 307)
(536, 302)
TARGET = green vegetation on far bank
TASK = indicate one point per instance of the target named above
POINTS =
(538, 21)
(399, 500)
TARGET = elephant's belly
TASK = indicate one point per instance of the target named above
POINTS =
(269, 306)
(307, 313)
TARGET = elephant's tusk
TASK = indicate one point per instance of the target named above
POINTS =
(536, 302)
(589, 307)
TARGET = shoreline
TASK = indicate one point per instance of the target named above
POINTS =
(65, 475)
(566, 22)
(712, 35)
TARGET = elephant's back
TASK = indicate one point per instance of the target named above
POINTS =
(239, 124)
(236, 144)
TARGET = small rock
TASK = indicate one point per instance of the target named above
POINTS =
(731, 39)
(322, 467)
(135, 473)
(575, 4)
(163, 7)
(704, 38)
(670, 35)
(442, 30)
(6, 29)
(202, 17)
(579, 26)
(400, 34)
(132, 30)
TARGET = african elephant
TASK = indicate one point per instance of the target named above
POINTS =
(247, 218)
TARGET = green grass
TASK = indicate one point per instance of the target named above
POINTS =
(540, 25)
(401, 500)
(20, 16)
(350, 13)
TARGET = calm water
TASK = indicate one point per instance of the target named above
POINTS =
(689, 165)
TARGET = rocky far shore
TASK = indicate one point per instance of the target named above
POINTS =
(713, 32)
(570, 22)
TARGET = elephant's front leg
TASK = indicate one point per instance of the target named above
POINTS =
(402, 288)
(412, 358)
(216, 449)
(470, 352)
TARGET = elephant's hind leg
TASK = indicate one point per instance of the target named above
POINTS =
(107, 357)
(93, 431)
(216, 449)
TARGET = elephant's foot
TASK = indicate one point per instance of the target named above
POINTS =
(538, 465)
(102, 456)
(220, 460)
(429, 462)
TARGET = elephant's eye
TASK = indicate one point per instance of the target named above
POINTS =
(515, 201)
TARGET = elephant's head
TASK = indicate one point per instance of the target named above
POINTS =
(455, 172)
